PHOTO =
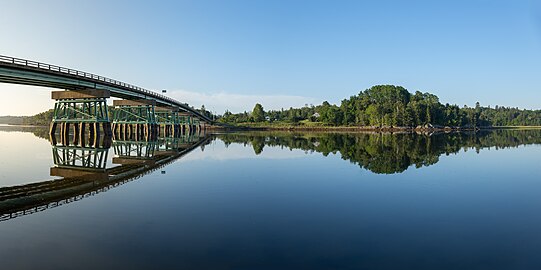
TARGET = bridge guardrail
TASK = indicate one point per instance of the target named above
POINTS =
(54, 68)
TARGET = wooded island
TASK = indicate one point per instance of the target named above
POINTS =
(388, 106)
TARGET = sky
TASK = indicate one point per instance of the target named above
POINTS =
(232, 54)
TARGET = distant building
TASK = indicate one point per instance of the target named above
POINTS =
(316, 115)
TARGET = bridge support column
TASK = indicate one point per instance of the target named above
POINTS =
(135, 119)
(168, 121)
(197, 125)
(188, 121)
(79, 107)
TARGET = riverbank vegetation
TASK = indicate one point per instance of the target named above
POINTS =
(11, 120)
(40, 119)
(387, 106)
(381, 106)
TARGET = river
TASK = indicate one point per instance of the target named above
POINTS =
(273, 200)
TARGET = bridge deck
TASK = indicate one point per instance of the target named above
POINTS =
(27, 72)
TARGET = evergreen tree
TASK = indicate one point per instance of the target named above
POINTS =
(258, 114)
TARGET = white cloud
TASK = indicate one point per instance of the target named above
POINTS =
(221, 101)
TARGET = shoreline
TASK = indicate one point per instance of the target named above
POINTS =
(369, 129)
(423, 129)
(21, 125)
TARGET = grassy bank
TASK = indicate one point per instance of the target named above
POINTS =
(318, 126)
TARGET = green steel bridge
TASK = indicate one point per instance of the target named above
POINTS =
(82, 103)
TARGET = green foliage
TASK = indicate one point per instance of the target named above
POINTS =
(11, 120)
(203, 111)
(40, 119)
(378, 106)
(394, 106)
(258, 114)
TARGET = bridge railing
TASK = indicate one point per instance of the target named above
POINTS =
(44, 66)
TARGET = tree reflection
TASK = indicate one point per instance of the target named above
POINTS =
(386, 153)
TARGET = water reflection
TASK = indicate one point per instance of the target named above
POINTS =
(127, 152)
(92, 158)
(85, 169)
(40, 132)
(386, 153)
(249, 204)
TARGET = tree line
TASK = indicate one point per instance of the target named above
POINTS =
(11, 120)
(40, 119)
(378, 106)
(392, 106)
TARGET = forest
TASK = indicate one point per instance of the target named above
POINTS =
(40, 119)
(391, 106)
(11, 120)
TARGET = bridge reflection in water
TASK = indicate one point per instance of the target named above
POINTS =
(85, 169)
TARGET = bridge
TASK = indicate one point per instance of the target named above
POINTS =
(83, 102)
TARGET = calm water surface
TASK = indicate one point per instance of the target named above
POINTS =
(276, 201)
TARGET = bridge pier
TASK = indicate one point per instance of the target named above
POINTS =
(183, 123)
(134, 119)
(197, 125)
(80, 107)
(168, 118)
(190, 123)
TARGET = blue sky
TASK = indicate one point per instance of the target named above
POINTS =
(231, 54)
